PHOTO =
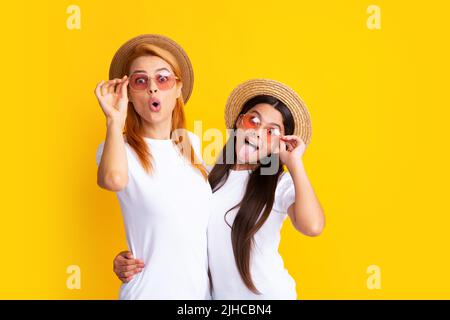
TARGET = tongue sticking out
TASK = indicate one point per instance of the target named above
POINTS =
(246, 151)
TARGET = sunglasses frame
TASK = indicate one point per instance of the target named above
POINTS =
(258, 126)
(149, 78)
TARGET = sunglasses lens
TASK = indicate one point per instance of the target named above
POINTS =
(250, 121)
(273, 133)
(164, 82)
(139, 81)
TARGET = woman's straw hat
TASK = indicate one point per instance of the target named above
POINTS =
(255, 87)
(116, 69)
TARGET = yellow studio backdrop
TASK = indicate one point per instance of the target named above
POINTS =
(374, 75)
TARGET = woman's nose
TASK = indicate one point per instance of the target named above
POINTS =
(152, 86)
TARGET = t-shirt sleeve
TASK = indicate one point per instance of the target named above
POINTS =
(284, 193)
(102, 146)
(100, 152)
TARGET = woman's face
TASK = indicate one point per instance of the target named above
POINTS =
(153, 102)
(253, 144)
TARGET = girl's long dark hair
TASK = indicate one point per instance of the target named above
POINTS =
(257, 202)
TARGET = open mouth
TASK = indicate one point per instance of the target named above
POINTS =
(254, 146)
(154, 104)
(248, 151)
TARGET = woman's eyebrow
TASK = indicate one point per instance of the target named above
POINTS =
(139, 71)
(160, 69)
(143, 71)
(272, 123)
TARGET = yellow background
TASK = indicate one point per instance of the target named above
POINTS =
(378, 159)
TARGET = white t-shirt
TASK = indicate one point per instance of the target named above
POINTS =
(166, 216)
(266, 265)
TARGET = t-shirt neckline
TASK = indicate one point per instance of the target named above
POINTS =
(158, 141)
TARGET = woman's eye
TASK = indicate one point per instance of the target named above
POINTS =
(163, 78)
(141, 80)
(274, 131)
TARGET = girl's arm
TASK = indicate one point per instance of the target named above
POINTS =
(126, 267)
(112, 172)
(306, 212)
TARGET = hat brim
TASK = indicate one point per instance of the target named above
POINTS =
(116, 69)
(255, 87)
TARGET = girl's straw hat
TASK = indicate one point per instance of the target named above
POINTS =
(255, 87)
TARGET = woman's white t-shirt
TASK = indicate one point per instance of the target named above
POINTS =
(266, 265)
(166, 216)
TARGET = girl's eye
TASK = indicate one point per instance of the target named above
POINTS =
(274, 132)
(255, 120)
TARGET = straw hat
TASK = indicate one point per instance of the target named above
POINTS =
(255, 87)
(116, 69)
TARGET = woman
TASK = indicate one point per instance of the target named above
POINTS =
(252, 195)
(154, 170)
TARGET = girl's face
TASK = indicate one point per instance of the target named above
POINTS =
(153, 89)
(258, 133)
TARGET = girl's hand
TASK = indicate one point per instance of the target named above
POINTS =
(292, 149)
(113, 98)
(126, 267)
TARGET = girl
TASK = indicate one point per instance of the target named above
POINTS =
(153, 169)
(252, 195)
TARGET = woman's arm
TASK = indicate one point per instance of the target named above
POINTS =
(112, 172)
(306, 212)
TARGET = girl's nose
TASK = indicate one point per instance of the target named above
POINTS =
(255, 133)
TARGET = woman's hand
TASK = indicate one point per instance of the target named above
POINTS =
(113, 98)
(292, 149)
(126, 267)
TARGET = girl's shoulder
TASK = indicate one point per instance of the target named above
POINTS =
(196, 144)
(209, 167)
(193, 136)
(195, 140)
(284, 179)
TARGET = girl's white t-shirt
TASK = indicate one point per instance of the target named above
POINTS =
(166, 216)
(267, 268)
